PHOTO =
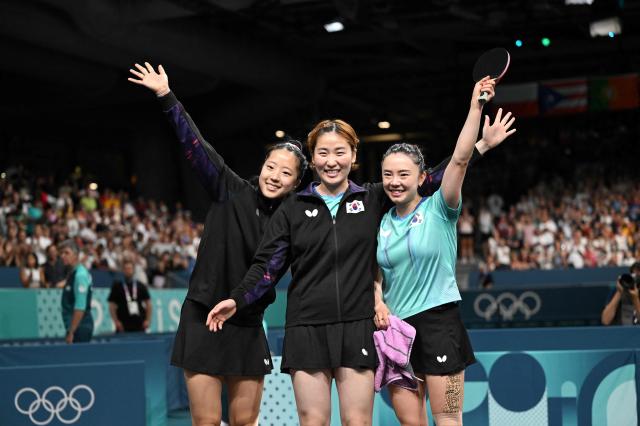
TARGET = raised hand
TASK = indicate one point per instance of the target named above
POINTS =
(220, 313)
(494, 134)
(158, 82)
(486, 85)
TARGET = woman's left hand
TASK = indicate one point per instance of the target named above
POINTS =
(381, 319)
(494, 134)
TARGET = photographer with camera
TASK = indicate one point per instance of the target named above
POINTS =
(624, 306)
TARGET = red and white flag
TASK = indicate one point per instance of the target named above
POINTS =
(520, 99)
(568, 96)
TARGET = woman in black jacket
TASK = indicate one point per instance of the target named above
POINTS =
(235, 223)
(327, 234)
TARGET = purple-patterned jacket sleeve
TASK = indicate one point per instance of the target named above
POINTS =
(216, 177)
(269, 264)
(435, 174)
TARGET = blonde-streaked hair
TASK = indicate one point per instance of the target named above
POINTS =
(340, 127)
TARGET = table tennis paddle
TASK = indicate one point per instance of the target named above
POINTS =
(493, 63)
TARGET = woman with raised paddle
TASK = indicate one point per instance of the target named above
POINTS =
(417, 245)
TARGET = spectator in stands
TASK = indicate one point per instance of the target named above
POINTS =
(159, 274)
(54, 270)
(466, 229)
(76, 297)
(10, 255)
(178, 262)
(623, 307)
(129, 302)
(31, 274)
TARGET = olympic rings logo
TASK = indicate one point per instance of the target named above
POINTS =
(528, 303)
(54, 409)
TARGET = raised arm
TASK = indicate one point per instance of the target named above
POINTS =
(609, 311)
(270, 262)
(456, 169)
(435, 173)
(208, 165)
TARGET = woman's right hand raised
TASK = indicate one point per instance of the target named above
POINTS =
(158, 82)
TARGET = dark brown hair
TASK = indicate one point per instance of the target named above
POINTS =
(295, 147)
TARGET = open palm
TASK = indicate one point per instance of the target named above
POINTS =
(494, 134)
(158, 82)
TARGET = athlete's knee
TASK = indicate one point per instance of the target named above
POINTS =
(356, 418)
(206, 420)
(448, 419)
(243, 419)
(311, 417)
(411, 419)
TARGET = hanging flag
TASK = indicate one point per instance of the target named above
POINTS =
(520, 99)
(614, 92)
(568, 96)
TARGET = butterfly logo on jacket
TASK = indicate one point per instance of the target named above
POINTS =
(310, 213)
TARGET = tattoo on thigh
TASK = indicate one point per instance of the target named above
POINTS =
(453, 394)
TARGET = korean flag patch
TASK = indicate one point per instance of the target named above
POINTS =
(355, 206)
(417, 220)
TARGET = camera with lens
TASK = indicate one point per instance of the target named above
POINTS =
(627, 281)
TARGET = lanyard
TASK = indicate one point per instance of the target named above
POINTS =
(134, 289)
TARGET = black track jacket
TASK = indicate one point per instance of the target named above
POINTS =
(234, 224)
(332, 260)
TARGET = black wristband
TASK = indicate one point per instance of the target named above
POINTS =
(475, 156)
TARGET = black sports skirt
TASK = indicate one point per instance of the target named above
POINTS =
(233, 351)
(328, 346)
(442, 345)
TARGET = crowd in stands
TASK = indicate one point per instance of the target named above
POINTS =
(556, 224)
(109, 226)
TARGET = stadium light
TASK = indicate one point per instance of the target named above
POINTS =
(606, 27)
(280, 134)
(578, 2)
(333, 26)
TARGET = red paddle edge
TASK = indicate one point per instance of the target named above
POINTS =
(506, 67)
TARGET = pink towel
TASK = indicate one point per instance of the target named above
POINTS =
(393, 347)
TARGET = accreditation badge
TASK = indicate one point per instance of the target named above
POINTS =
(134, 309)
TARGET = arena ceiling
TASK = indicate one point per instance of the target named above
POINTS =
(258, 65)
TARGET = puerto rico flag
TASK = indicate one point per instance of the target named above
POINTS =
(567, 96)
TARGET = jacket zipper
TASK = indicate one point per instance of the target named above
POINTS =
(335, 256)
(335, 246)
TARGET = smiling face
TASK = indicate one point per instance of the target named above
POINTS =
(279, 174)
(401, 178)
(333, 158)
